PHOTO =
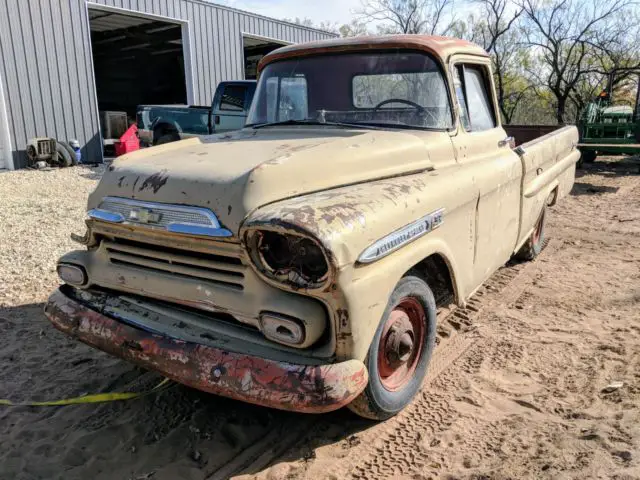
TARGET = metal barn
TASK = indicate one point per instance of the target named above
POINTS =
(62, 62)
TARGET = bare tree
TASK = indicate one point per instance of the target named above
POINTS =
(433, 17)
(497, 19)
(563, 33)
(355, 28)
(494, 30)
(615, 63)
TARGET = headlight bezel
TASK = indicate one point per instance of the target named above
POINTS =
(294, 279)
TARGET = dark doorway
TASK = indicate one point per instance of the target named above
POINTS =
(137, 61)
(254, 49)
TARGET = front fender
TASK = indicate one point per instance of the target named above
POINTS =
(367, 288)
(347, 220)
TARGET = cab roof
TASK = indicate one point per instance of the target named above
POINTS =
(441, 47)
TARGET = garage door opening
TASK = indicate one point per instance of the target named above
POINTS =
(254, 49)
(137, 61)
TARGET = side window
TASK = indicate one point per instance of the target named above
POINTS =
(233, 98)
(458, 75)
(287, 99)
(474, 98)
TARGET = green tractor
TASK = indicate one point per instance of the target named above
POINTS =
(608, 129)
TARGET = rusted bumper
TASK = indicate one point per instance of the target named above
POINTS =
(300, 388)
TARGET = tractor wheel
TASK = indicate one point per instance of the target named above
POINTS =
(589, 156)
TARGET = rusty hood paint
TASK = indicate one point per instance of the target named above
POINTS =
(234, 174)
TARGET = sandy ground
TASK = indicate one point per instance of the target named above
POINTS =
(516, 389)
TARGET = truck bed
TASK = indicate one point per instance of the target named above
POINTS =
(526, 133)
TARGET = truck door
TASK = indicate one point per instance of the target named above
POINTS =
(483, 149)
(229, 108)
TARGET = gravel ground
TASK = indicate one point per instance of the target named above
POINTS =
(38, 211)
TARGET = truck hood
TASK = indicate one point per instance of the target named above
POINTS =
(233, 174)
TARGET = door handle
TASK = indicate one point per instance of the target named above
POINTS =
(216, 119)
(507, 141)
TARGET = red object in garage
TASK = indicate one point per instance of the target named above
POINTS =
(128, 142)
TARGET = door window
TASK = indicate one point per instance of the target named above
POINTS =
(287, 99)
(474, 98)
(233, 98)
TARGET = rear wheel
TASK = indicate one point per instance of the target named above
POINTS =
(533, 246)
(400, 351)
(167, 138)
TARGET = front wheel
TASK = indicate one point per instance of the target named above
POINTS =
(400, 351)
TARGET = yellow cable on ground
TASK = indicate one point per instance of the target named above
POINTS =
(97, 398)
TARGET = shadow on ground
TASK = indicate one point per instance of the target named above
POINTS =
(177, 433)
(611, 167)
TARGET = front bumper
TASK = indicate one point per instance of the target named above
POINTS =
(270, 383)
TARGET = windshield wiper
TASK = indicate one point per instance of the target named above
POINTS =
(308, 122)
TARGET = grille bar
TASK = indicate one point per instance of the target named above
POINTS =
(232, 266)
(216, 271)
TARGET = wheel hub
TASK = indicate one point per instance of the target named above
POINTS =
(401, 344)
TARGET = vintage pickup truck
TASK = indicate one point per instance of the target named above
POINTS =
(299, 263)
(159, 124)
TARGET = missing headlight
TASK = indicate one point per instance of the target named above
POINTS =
(290, 258)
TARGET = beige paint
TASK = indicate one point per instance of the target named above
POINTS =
(346, 188)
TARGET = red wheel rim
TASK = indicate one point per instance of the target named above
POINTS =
(538, 231)
(401, 342)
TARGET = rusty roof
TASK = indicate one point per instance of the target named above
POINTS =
(442, 47)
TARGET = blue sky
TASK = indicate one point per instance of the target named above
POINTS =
(339, 11)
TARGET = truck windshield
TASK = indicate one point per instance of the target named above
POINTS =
(399, 89)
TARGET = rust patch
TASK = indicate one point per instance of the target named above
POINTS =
(270, 383)
(155, 182)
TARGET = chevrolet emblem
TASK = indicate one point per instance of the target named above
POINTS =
(144, 215)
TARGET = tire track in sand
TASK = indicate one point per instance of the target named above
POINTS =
(393, 448)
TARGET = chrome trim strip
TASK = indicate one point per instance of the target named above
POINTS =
(105, 216)
(401, 237)
(188, 229)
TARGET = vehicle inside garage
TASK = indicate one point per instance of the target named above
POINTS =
(254, 49)
(136, 60)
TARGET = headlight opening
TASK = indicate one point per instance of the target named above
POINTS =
(290, 258)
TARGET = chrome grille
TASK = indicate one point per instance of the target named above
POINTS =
(181, 219)
(217, 269)
(167, 214)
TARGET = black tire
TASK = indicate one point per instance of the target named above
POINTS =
(64, 158)
(377, 402)
(589, 156)
(167, 138)
(72, 152)
(534, 244)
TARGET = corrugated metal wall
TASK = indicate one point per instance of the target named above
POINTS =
(46, 65)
